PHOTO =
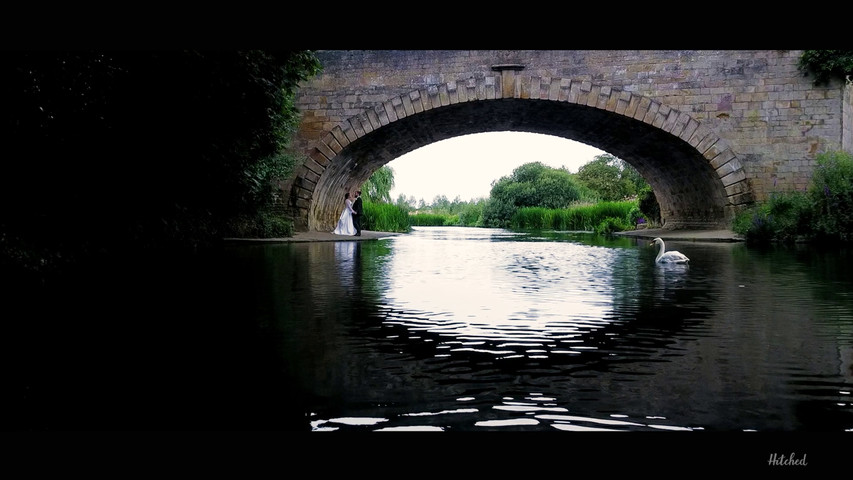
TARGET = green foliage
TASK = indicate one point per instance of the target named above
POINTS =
(785, 217)
(556, 188)
(754, 225)
(622, 210)
(451, 221)
(634, 215)
(396, 217)
(790, 214)
(824, 212)
(611, 178)
(436, 220)
(406, 203)
(441, 204)
(385, 217)
(283, 120)
(827, 64)
(578, 217)
(634, 182)
(530, 185)
(649, 206)
(534, 218)
(831, 191)
(612, 224)
(498, 212)
(428, 219)
(378, 187)
(587, 195)
(471, 214)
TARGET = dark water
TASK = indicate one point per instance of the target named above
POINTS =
(445, 329)
(471, 329)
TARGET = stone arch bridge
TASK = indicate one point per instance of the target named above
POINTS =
(711, 131)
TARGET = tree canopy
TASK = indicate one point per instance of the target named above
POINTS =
(530, 185)
(611, 178)
(378, 187)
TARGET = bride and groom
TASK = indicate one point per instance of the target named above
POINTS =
(349, 222)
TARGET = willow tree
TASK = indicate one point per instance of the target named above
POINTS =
(378, 187)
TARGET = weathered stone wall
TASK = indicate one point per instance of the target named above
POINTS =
(770, 116)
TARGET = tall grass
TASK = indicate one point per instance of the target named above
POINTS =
(385, 217)
(434, 220)
(581, 217)
(604, 217)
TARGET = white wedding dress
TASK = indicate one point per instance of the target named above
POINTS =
(345, 226)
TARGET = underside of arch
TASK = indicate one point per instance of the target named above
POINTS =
(697, 179)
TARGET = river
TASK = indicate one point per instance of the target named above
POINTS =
(446, 329)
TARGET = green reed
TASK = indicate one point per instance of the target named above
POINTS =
(385, 217)
(433, 219)
(580, 217)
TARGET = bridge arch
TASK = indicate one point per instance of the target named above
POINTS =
(698, 180)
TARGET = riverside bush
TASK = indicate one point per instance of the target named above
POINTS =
(831, 192)
(824, 212)
(785, 217)
(612, 224)
(648, 204)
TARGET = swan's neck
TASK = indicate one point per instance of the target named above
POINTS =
(660, 252)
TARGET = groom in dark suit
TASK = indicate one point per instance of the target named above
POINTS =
(359, 210)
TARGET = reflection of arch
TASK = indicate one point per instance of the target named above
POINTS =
(698, 180)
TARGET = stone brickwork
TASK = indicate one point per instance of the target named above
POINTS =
(711, 131)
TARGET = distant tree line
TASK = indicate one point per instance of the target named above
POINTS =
(604, 179)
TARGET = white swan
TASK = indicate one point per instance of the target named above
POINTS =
(668, 257)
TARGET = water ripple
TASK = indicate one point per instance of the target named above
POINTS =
(467, 322)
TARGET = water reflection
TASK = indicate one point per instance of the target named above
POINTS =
(446, 329)
(550, 331)
(478, 293)
(348, 263)
(531, 299)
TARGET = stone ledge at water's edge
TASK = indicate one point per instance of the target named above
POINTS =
(685, 235)
(666, 234)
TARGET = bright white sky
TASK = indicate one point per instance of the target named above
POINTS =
(466, 166)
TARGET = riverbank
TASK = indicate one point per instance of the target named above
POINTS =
(684, 235)
(319, 237)
(649, 233)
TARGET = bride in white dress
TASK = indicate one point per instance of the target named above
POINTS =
(345, 226)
